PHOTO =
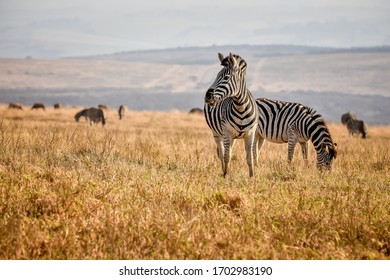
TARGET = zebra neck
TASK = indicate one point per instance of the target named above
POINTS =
(242, 99)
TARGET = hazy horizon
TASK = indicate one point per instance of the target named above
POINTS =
(53, 29)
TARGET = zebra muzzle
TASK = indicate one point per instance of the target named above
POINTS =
(210, 98)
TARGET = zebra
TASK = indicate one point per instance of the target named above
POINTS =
(121, 111)
(230, 110)
(357, 127)
(292, 123)
(346, 117)
(94, 115)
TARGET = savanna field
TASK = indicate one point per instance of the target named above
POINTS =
(150, 187)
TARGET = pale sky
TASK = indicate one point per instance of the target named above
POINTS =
(51, 29)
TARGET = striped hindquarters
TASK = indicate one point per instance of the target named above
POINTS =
(276, 116)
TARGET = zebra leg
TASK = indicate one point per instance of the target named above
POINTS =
(257, 144)
(220, 151)
(228, 145)
(292, 141)
(249, 148)
(304, 147)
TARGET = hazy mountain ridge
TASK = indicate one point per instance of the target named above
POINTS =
(206, 55)
(332, 81)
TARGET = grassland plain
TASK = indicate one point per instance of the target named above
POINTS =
(150, 187)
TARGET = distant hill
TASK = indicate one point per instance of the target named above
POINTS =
(333, 81)
(207, 55)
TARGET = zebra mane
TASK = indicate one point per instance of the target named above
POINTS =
(317, 118)
(311, 111)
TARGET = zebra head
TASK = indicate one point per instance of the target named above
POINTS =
(229, 82)
(325, 157)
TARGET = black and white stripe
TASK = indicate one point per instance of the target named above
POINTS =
(230, 110)
(94, 115)
(292, 123)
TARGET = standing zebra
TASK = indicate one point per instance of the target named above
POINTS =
(292, 123)
(93, 114)
(230, 110)
(357, 127)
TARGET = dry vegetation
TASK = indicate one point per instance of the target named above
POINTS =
(150, 187)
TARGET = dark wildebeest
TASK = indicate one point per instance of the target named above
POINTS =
(346, 117)
(196, 111)
(57, 106)
(94, 115)
(357, 127)
(121, 112)
(15, 105)
(38, 106)
(102, 106)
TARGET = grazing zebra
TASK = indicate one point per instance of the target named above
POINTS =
(14, 105)
(292, 123)
(121, 112)
(38, 106)
(94, 115)
(357, 127)
(346, 117)
(230, 110)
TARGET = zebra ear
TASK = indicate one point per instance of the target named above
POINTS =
(233, 61)
(220, 56)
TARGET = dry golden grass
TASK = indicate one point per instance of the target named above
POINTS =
(150, 187)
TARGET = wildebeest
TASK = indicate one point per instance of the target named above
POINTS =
(103, 106)
(58, 106)
(121, 111)
(346, 117)
(15, 105)
(38, 106)
(196, 111)
(357, 127)
(94, 115)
